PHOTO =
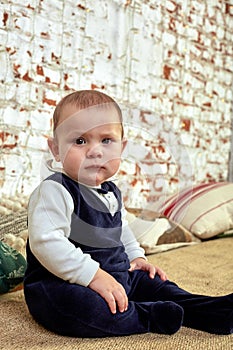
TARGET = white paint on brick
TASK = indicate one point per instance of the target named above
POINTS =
(168, 63)
(168, 39)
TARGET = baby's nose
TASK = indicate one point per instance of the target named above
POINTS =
(95, 152)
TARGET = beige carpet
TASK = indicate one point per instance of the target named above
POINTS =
(204, 268)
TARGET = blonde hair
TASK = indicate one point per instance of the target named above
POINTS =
(83, 99)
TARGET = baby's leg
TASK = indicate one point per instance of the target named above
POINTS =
(77, 311)
(210, 314)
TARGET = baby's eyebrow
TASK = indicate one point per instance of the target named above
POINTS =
(74, 133)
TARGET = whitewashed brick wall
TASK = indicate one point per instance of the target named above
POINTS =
(168, 63)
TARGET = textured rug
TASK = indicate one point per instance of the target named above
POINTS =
(205, 268)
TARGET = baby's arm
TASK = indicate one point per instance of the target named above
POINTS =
(136, 254)
(49, 217)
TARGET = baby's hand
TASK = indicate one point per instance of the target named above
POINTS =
(112, 291)
(142, 264)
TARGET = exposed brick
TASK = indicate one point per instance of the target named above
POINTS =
(169, 65)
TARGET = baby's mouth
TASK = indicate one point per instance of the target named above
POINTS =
(95, 166)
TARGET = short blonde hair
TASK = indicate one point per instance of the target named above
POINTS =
(83, 99)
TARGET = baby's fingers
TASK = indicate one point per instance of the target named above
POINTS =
(111, 302)
(161, 274)
(121, 300)
(116, 299)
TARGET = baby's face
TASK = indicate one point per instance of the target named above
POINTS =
(89, 143)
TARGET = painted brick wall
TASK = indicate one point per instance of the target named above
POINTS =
(168, 63)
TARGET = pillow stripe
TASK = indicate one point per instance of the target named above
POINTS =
(173, 207)
(176, 199)
(191, 197)
(209, 211)
(205, 209)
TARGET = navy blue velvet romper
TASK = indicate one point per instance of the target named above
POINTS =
(77, 311)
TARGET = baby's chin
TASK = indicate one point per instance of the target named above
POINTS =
(96, 180)
(91, 182)
(92, 178)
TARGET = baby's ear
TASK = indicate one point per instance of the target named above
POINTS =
(124, 143)
(53, 146)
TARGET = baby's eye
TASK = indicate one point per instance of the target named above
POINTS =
(107, 140)
(80, 141)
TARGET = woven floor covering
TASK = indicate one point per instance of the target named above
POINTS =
(206, 268)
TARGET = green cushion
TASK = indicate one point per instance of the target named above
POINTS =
(12, 268)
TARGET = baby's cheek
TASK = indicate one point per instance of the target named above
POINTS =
(67, 151)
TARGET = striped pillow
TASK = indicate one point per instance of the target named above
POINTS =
(204, 209)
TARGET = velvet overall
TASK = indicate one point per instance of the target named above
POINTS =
(77, 311)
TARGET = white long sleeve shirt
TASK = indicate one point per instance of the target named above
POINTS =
(49, 219)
